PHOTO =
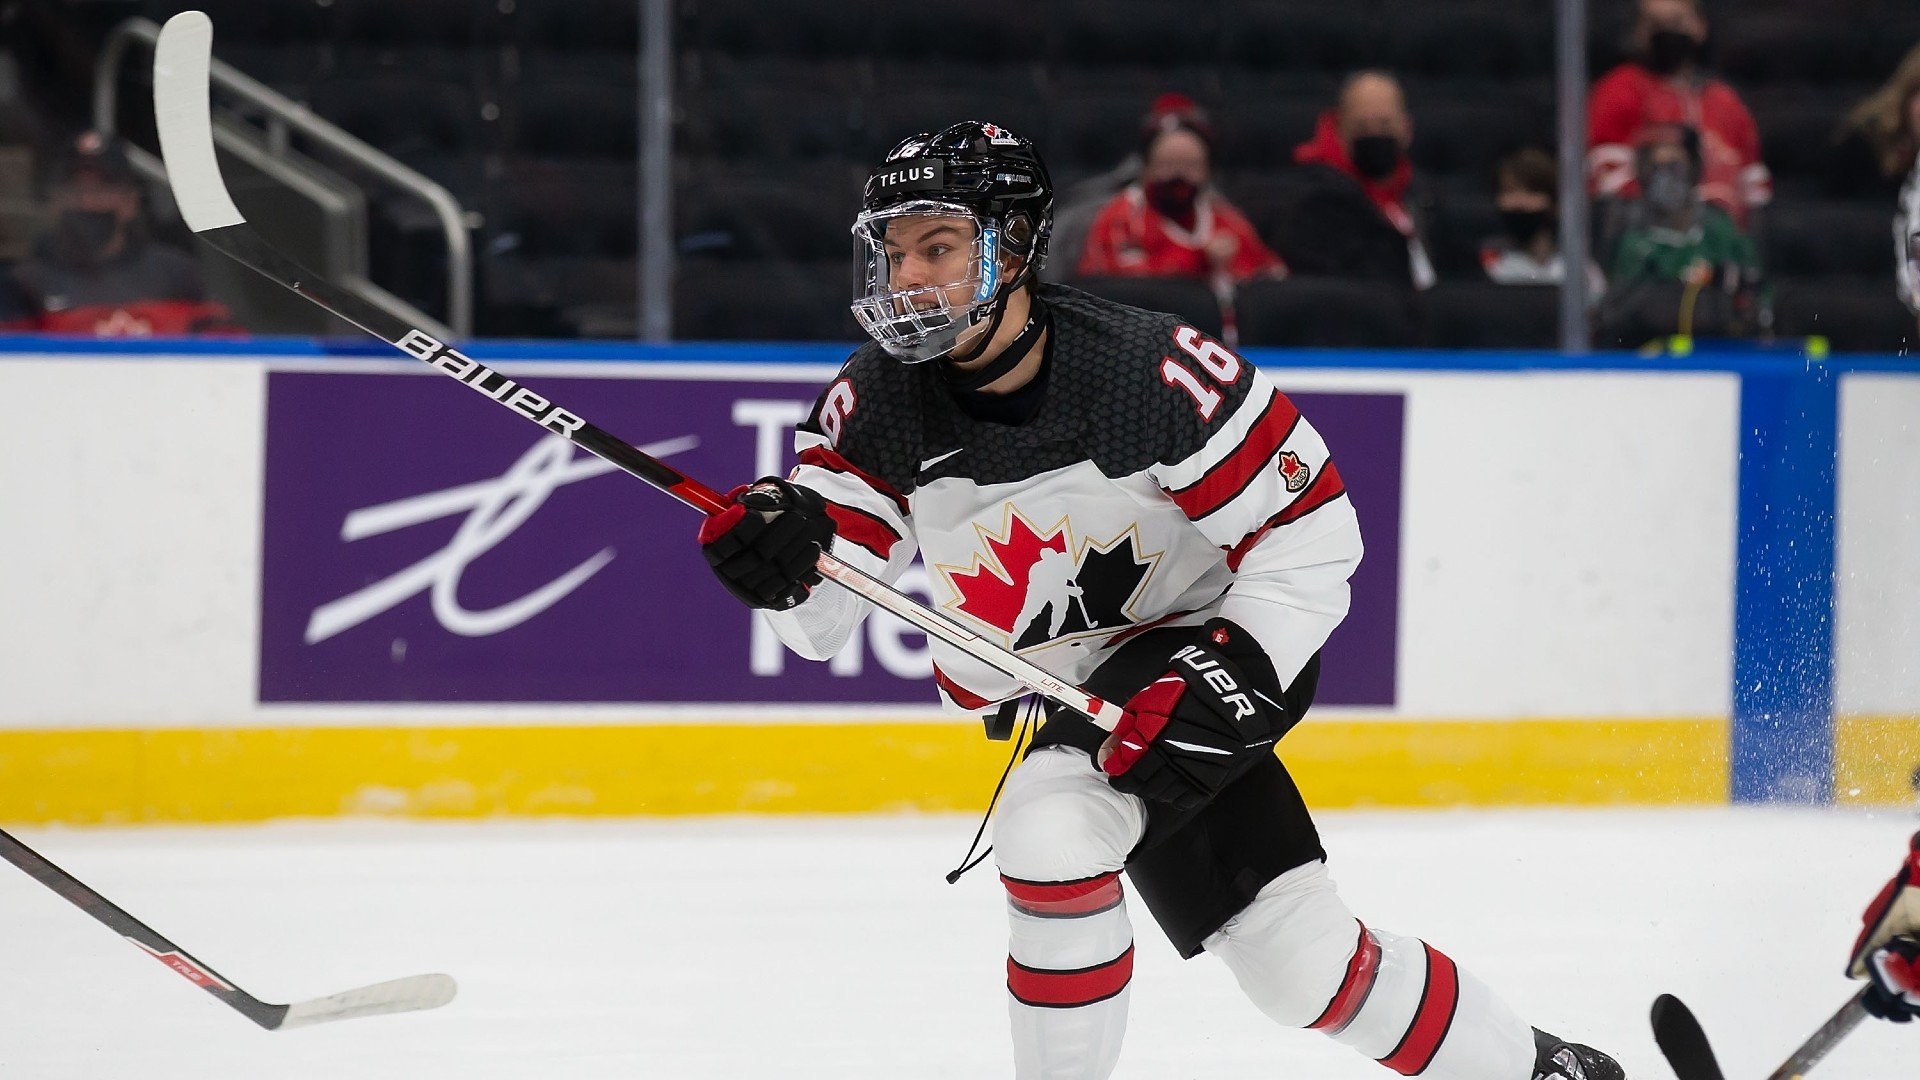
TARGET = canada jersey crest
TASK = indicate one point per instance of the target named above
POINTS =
(1294, 472)
(1035, 587)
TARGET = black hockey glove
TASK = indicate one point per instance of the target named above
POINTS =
(1199, 726)
(763, 547)
(1895, 971)
(1888, 949)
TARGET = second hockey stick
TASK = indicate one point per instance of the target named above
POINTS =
(182, 59)
(1685, 1045)
(400, 995)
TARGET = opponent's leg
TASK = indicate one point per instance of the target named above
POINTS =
(1060, 839)
(1307, 962)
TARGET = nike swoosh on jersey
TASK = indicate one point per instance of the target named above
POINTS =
(932, 461)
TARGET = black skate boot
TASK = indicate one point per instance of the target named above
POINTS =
(1557, 1059)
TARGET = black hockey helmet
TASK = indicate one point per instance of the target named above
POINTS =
(973, 170)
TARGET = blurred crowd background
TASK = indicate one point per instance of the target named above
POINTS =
(1280, 172)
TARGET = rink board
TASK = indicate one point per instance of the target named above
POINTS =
(1559, 625)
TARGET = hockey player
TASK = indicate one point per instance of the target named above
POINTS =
(1004, 428)
(1888, 949)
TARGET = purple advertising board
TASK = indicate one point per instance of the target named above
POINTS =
(421, 544)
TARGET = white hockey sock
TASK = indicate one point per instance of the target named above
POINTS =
(1070, 959)
(1408, 1006)
(1307, 962)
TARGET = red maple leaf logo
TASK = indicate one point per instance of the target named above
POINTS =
(1294, 472)
(995, 588)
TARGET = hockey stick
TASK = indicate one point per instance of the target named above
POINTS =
(400, 995)
(180, 100)
(1682, 1040)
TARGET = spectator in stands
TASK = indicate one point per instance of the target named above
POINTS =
(1683, 266)
(1666, 84)
(1171, 222)
(1527, 194)
(1889, 119)
(1077, 207)
(1356, 214)
(97, 271)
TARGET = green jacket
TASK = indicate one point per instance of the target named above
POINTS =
(1657, 253)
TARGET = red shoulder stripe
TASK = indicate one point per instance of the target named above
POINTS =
(1325, 488)
(1232, 473)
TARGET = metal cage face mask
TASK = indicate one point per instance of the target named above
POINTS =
(919, 322)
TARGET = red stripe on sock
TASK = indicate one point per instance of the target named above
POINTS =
(1069, 989)
(1361, 971)
(1432, 1020)
(1064, 897)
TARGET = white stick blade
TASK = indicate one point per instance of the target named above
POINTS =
(183, 113)
(410, 994)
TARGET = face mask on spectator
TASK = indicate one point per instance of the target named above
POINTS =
(1524, 225)
(1667, 188)
(85, 235)
(1174, 198)
(1376, 156)
(1669, 50)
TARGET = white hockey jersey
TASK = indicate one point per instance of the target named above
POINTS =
(1162, 481)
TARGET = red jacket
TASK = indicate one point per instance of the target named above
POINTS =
(1128, 238)
(149, 290)
(140, 318)
(1630, 97)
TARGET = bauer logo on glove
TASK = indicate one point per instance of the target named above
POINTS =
(1199, 726)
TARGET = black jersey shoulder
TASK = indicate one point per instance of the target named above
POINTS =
(1114, 369)
(877, 424)
(1107, 401)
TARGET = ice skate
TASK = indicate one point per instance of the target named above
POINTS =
(1560, 1060)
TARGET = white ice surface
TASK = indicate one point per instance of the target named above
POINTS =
(830, 947)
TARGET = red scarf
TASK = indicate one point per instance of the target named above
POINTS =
(1389, 193)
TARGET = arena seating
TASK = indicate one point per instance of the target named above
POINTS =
(527, 109)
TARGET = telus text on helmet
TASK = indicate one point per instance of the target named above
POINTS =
(906, 176)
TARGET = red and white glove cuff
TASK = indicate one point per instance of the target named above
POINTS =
(1895, 912)
(1897, 971)
(1142, 722)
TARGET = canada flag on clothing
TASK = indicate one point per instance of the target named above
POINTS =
(1037, 586)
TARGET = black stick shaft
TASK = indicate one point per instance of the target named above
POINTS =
(243, 244)
(1837, 1027)
(82, 896)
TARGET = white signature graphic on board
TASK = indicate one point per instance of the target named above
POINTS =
(494, 509)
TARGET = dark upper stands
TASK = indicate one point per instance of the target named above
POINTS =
(527, 110)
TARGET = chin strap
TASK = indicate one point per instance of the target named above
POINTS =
(1037, 323)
